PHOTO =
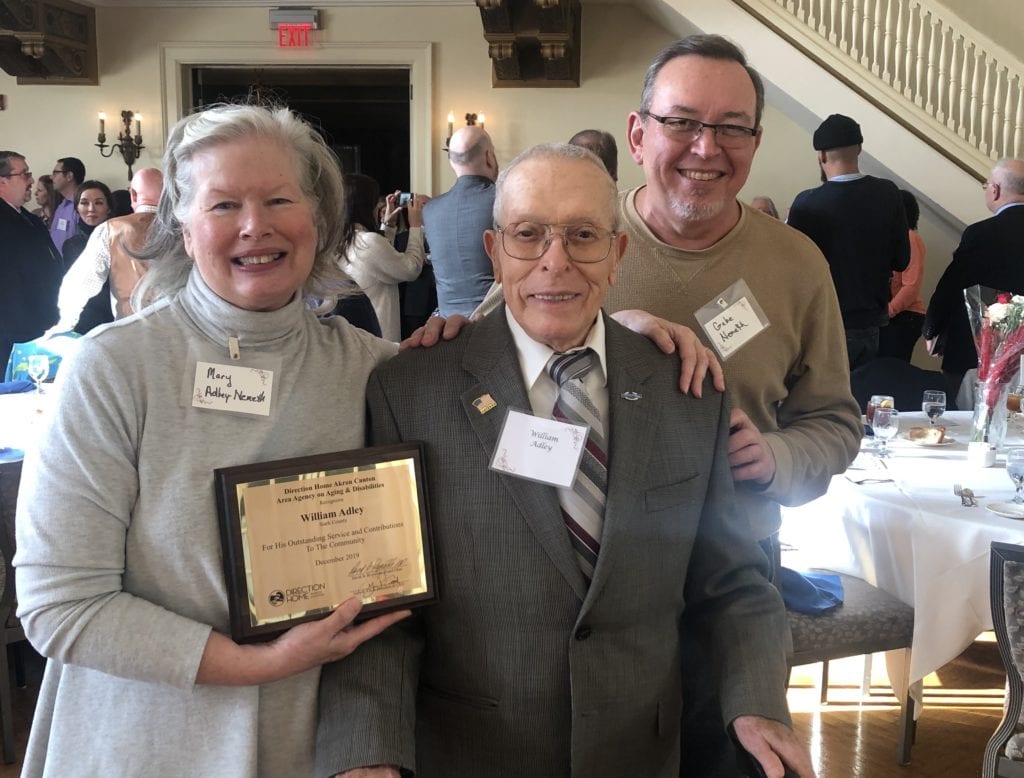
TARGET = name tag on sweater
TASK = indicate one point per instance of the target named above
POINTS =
(732, 319)
(232, 388)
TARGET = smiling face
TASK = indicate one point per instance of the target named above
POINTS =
(692, 184)
(250, 227)
(93, 207)
(553, 298)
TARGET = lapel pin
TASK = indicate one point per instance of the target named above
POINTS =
(484, 403)
(632, 396)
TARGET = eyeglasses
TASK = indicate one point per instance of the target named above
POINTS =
(728, 136)
(23, 174)
(584, 243)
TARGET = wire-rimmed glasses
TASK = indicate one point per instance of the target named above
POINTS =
(584, 243)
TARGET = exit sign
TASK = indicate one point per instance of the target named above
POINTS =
(293, 35)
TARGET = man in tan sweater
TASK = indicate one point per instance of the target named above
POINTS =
(756, 290)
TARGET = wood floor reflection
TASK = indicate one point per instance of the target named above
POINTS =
(850, 738)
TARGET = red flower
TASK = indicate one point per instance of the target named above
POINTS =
(1003, 297)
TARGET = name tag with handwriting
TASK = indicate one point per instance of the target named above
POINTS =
(539, 449)
(733, 327)
(232, 388)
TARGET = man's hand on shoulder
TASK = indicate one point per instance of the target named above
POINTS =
(697, 360)
(774, 745)
(750, 456)
(436, 329)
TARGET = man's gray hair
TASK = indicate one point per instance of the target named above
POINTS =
(711, 47)
(472, 155)
(315, 167)
(556, 151)
(1010, 173)
(602, 143)
(5, 161)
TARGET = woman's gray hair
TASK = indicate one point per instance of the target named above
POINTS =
(316, 169)
(556, 151)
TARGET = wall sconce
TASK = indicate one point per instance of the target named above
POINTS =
(126, 144)
(472, 119)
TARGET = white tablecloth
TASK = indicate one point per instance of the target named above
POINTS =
(913, 538)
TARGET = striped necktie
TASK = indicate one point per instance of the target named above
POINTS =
(583, 504)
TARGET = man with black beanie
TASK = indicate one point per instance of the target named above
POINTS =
(860, 226)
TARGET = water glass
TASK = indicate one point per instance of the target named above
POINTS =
(885, 424)
(933, 405)
(1015, 469)
(38, 369)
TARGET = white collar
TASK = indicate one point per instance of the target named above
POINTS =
(534, 356)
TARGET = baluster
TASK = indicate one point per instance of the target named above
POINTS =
(836, 17)
(986, 110)
(965, 79)
(877, 55)
(863, 23)
(1008, 150)
(947, 77)
(998, 136)
(844, 40)
(954, 48)
(897, 61)
(1018, 130)
(972, 138)
(908, 69)
(933, 53)
(887, 42)
(810, 16)
(922, 47)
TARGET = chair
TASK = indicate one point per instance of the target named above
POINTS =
(903, 381)
(10, 626)
(869, 620)
(1004, 754)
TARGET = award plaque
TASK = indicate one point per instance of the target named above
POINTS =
(301, 536)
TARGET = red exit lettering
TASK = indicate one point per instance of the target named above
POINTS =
(292, 35)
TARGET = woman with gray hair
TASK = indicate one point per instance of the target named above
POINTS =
(119, 570)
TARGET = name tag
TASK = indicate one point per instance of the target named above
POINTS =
(62, 225)
(539, 449)
(232, 388)
(733, 327)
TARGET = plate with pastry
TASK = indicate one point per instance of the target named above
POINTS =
(929, 436)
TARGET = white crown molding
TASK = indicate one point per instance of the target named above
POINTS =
(267, 3)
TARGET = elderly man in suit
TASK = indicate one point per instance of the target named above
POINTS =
(554, 650)
(989, 255)
(30, 266)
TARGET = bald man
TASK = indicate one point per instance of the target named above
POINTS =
(454, 223)
(107, 262)
(989, 255)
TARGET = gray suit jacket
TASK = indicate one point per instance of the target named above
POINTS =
(454, 225)
(520, 669)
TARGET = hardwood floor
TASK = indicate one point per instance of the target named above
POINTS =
(850, 738)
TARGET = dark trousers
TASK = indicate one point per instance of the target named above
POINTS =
(900, 337)
(6, 347)
(861, 345)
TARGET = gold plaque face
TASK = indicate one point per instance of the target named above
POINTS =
(303, 535)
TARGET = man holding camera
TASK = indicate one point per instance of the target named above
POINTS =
(454, 223)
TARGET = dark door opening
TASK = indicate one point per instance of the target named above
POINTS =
(363, 113)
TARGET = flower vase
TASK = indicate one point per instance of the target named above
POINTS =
(990, 414)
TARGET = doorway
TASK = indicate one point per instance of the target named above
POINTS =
(362, 112)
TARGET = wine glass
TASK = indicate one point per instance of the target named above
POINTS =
(933, 405)
(885, 425)
(1015, 469)
(877, 401)
(38, 369)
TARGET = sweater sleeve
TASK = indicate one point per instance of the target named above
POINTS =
(84, 279)
(384, 264)
(75, 508)
(909, 288)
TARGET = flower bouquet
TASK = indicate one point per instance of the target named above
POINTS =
(998, 329)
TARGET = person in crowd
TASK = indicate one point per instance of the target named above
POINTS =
(120, 203)
(370, 259)
(119, 567)
(455, 221)
(92, 204)
(68, 174)
(987, 255)
(860, 226)
(31, 269)
(602, 143)
(417, 298)
(589, 578)
(47, 198)
(765, 205)
(906, 308)
(108, 269)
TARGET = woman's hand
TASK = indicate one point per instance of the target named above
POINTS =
(299, 649)
(391, 208)
(415, 210)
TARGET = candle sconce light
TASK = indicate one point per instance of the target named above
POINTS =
(128, 145)
(472, 120)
